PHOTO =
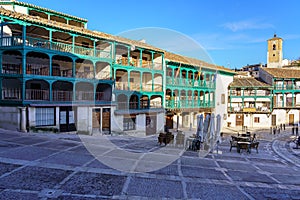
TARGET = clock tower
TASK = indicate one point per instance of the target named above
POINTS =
(274, 52)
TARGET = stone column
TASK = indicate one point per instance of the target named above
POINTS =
(23, 119)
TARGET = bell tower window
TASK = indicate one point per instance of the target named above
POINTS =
(274, 46)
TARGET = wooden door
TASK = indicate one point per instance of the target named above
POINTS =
(274, 101)
(169, 121)
(273, 120)
(106, 120)
(96, 118)
(239, 121)
(291, 119)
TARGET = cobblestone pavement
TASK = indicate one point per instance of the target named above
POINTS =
(58, 166)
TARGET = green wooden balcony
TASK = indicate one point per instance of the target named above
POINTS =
(189, 82)
(181, 104)
(13, 41)
(286, 87)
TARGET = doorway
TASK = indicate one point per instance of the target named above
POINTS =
(273, 120)
(291, 119)
(101, 120)
(66, 119)
(151, 124)
(239, 121)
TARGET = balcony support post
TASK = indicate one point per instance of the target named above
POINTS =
(50, 65)
(128, 80)
(141, 57)
(23, 119)
(152, 60)
(173, 75)
(50, 92)
(128, 56)
(50, 39)
(141, 81)
(24, 35)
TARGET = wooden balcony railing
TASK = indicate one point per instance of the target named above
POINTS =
(57, 46)
(11, 94)
(11, 68)
(59, 95)
(33, 94)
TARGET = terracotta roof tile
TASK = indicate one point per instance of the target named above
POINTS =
(283, 72)
(96, 34)
(49, 10)
(247, 82)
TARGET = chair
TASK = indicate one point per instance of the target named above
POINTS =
(233, 142)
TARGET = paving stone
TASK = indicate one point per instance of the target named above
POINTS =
(13, 195)
(264, 161)
(58, 144)
(68, 158)
(4, 146)
(73, 197)
(168, 170)
(93, 183)
(213, 191)
(6, 167)
(197, 162)
(33, 178)
(278, 169)
(196, 172)
(288, 179)
(250, 176)
(29, 140)
(97, 164)
(27, 153)
(272, 193)
(237, 166)
(155, 188)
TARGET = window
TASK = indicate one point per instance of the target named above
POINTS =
(223, 99)
(256, 119)
(274, 46)
(45, 116)
(128, 123)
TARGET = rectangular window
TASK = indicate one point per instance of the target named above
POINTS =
(223, 99)
(256, 119)
(45, 116)
(128, 123)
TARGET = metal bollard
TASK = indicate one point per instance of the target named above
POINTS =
(283, 126)
(296, 130)
(293, 130)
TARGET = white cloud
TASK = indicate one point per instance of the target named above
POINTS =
(246, 25)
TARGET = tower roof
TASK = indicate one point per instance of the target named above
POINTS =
(275, 37)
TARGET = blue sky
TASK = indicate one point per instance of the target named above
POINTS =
(232, 32)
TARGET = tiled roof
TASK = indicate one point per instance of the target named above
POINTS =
(74, 29)
(49, 10)
(195, 62)
(96, 34)
(247, 82)
(283, 72)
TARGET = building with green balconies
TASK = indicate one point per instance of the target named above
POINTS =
(55, 74)
(191, 87)
(249, 103)
(286, 94)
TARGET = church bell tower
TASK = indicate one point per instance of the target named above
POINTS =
(274, 52)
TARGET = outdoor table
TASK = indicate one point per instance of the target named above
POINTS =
(243, 145)
(243, 139)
